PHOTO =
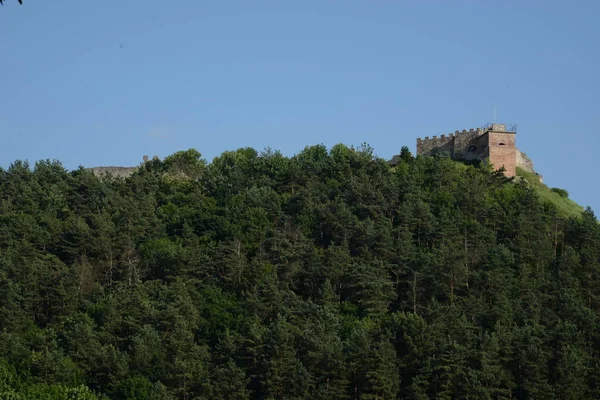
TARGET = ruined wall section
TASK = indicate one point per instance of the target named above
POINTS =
(122, 172)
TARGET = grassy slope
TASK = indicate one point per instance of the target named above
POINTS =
(564, 205)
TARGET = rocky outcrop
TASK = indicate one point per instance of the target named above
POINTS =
(524, 162)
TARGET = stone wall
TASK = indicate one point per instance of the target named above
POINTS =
(455, 144)
(463, 141)
(430, 147)
(477, 149)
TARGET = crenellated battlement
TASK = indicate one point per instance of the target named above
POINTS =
(451, 136)
(451, 143)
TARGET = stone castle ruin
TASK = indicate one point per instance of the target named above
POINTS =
(494, 142)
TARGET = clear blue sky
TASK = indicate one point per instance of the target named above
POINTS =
(105, 82)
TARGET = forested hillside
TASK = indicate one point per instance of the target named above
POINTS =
(327, 275)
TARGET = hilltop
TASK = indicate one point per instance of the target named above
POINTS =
(326, 275)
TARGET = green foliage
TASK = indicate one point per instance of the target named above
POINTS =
(327, 275)
(136, 388)
(184, 165)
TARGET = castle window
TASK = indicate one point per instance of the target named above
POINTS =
(472, 149)
(501, 144)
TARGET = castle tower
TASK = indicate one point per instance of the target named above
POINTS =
(502, 151)
(494, 142)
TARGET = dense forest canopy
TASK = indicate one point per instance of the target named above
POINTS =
(327, 275)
